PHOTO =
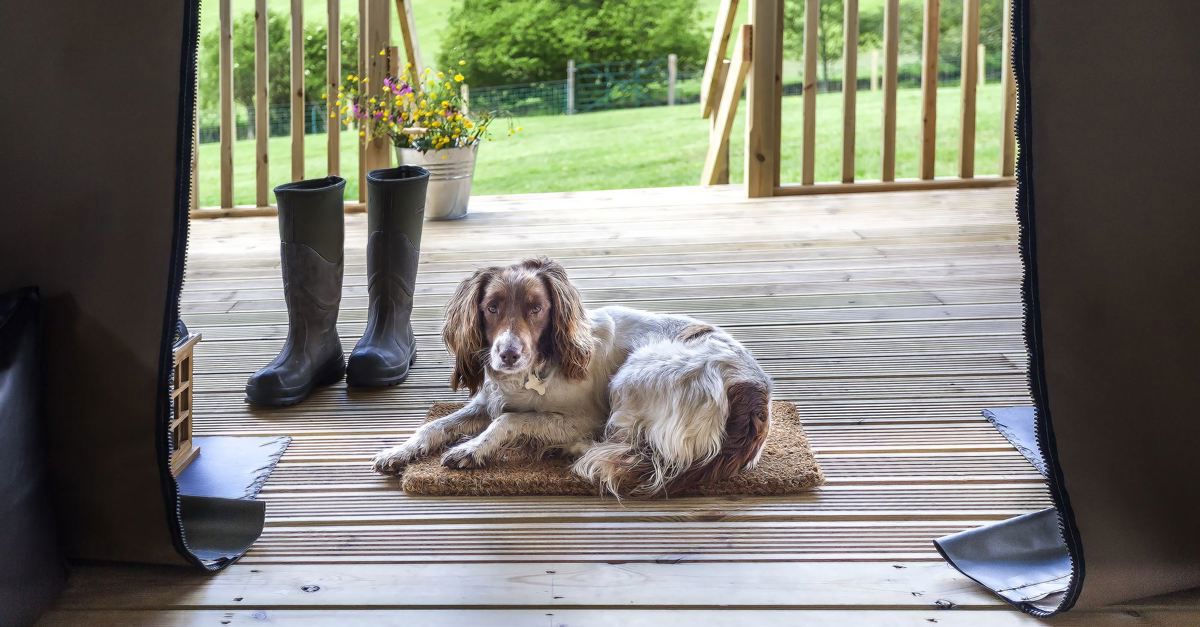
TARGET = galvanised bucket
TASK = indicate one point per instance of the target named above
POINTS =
(450, 172)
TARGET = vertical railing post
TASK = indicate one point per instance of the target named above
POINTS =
(228, 124)
(929, 81)
(764, 98)
(982, 58)
(359, 141)
(970, 41)
(333, 79)
(891, 45)
(672, 72)
(408, 33)
(812, 19)
(261, 117)
(715, 133)
(297, 89)
(571, 87)
(849, 87)
(378, 37)
(1008, 141)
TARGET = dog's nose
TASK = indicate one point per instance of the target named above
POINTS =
(509, 356)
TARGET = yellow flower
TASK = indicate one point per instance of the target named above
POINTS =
(362, 133)
(333, 114)
(371, 101)
(383, 53)
(445, 104)
(458, 78)
(462, 61)
(364, 80)
(441, 75)
(436, 124)
(457, 116)
(448, 85)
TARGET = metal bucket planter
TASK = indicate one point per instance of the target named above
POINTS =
(450, 172)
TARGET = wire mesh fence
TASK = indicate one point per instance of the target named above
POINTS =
(597, 87)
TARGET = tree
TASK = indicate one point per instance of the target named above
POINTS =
(278, 61)
(517, 41)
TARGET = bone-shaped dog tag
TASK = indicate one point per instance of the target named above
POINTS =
(536, 384)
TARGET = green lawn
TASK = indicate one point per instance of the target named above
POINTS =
(653, 147)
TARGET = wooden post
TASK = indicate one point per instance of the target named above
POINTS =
(261, 119)
(408, 32)
(891, 45)
(363, 46)
(1008, 122)
(874, 69)
(970, 43)
(333, 79)
(849, 87)
(379, 35)
(726, 108)
(812, 19)
(721, 169)
(982, 56)
(929, 81)
(672, 71)
(571, 87)
(764, 98)
(709, 89)
(228, 125)
(297, 89)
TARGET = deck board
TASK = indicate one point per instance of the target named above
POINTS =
(890, 319)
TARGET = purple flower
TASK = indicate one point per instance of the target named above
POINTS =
(405, 90)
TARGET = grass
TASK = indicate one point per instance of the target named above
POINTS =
(653, 147)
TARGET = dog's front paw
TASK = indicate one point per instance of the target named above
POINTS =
(391, 461)
(462, 457)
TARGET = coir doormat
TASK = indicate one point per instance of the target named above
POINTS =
(787, 466)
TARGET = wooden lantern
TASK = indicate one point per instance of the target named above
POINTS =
(181, 425)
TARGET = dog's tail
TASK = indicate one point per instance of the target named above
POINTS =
(640, 460)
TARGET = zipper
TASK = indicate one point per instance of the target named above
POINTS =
(185, 131)
(1044, 432)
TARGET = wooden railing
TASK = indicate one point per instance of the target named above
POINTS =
(762, 37)
(374, 24)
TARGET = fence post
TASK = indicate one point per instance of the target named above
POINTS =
(874, 69)
(982, 65)
(571, 87)
(466, 99)
(672, 65)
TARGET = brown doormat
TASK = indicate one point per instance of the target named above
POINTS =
(787, 466)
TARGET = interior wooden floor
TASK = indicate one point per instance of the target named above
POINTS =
(890, 319)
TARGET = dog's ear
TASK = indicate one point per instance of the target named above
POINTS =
(463, 331)
(571, 333)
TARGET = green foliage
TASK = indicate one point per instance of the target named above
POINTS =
(278, 60)
(517, 41)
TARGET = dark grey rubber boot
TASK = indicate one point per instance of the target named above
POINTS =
(312, 236)
(395, 216)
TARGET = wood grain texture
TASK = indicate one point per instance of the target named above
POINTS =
(333, 80)
(849, 87)
(970, 69)
(891, 56)
(261, 98)
(812, 18)
(716, 161)
(225, 93)
(891, 319)
(929, 80)
(764, 99)
(296, 88)
(711, 79)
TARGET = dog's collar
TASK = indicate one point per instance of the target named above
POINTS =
(537, 381)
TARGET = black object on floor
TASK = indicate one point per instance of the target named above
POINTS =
(217, 489)
(311, 235)
(34, 570)
(395, 218)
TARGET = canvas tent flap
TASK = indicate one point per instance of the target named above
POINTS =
(95, 166)
(1107, 132)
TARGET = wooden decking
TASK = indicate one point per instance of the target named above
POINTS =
(891, 319)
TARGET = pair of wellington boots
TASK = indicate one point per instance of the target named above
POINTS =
(311, 233)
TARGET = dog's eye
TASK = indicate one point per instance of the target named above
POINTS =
(492, 309)
(535, 311)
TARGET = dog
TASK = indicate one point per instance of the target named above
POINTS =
(646, 403)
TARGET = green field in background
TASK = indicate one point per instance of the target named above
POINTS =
(652, 147)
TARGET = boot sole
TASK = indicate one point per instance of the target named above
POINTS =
(384, 381)
(330, 373)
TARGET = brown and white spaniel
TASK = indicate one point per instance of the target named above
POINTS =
(648, 403)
